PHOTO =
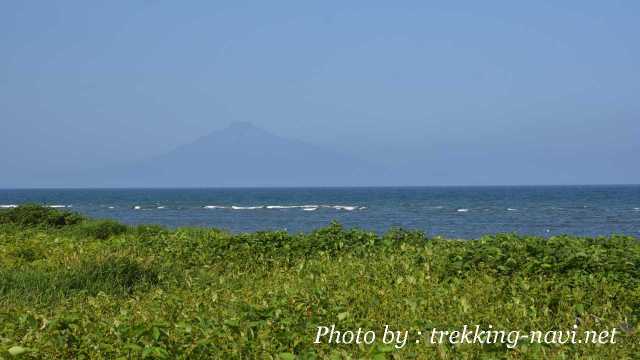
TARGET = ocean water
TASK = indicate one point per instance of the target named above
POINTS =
(454, 212)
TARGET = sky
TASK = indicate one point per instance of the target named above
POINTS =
(447, 93)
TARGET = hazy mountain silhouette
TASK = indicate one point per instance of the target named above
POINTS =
(245, 155)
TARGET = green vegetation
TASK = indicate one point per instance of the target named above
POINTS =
(39, 216)
(102, 229)
(79, 288)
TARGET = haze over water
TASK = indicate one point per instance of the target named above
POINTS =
(453, 212)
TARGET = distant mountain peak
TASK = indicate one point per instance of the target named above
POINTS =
(239, 130)
(243, 154)
(241, 126)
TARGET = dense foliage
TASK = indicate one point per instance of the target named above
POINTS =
(35, 215)
(98, 289)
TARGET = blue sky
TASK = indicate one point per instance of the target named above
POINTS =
(496, 92)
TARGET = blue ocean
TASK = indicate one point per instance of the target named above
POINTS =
(452, 212)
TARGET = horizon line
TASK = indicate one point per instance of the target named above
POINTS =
(309, 187)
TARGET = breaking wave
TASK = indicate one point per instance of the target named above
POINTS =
(246, 207)
(13, 206)
(285, 207)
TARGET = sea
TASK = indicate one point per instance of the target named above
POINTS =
(451, 212)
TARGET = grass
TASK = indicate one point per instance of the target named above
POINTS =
(149, 292)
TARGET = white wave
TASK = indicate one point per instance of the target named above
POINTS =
(636, 209)
(512, 209)
(58, 206)
(137, 207)
(308, 207)
(162, 207)
(462, 210)
(291, 206)
(112, 207)
(9, 206)
(343, 207)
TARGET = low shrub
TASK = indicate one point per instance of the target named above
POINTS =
(27, 254)
(38, 215)
(102, 229)
(149, 231)
(114, 275)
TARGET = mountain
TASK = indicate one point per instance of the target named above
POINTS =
(245, 155)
